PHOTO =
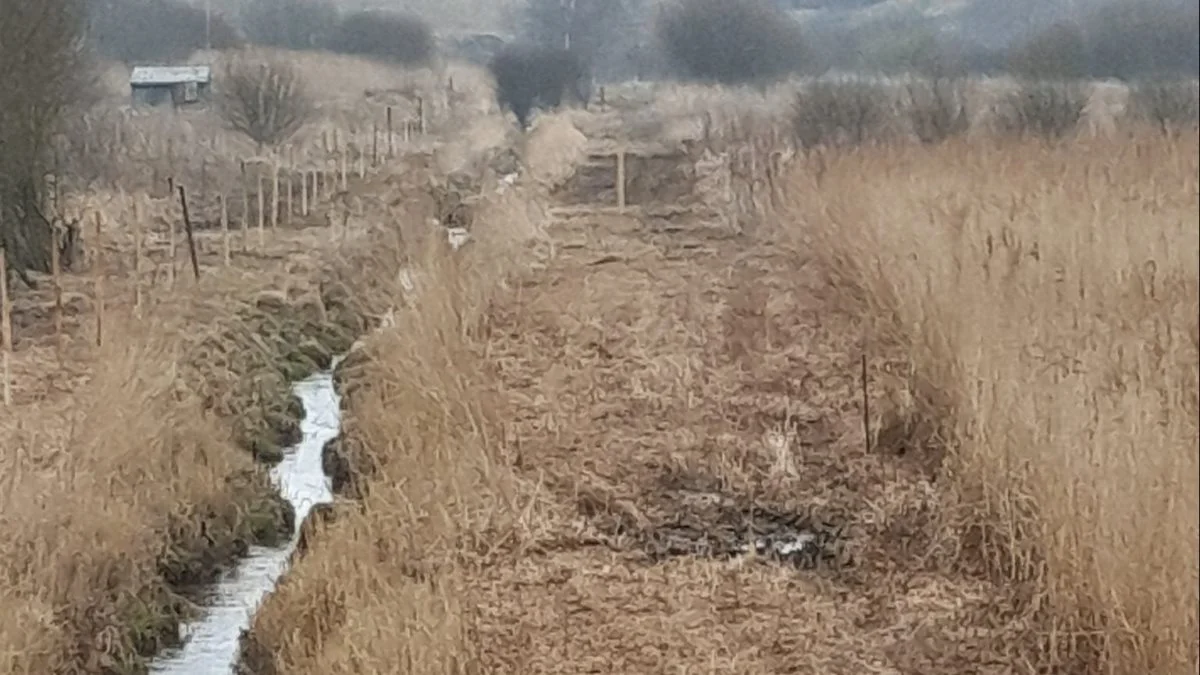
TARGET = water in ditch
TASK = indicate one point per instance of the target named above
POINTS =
(211, 644)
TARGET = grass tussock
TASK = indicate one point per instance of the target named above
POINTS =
(383, 586)
(1045, 300)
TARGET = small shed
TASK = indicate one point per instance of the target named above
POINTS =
(180, 85)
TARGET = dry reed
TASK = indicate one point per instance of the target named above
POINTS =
(1044, 299)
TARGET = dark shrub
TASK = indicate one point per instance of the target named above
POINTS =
(839, 113)
(1167, 104)
(291, 24)
(937, 109)
(529, 77)
(381, 35)
(1047, 109)
(731, 41)
(605, 33)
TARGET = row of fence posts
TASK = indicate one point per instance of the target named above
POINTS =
(302, 189)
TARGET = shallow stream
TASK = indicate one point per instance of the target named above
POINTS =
(211, 642)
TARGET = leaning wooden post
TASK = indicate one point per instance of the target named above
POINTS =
(98, 261)
(187, 225)
(225, 252)
(621, 179)
(5, 328)
(172, 242)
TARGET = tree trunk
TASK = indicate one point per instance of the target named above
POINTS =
(26, 233)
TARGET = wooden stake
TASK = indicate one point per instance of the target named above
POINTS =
(391, 150)
(172, 242)
(375, 144)
(56, 276)
(866, 401)
(98, 261)
(274, 195)
(421, 115)
(262, 216)
(187, 224)
(5, 328)
(137, 257)
(621, 179)
(245, 209)
(304, 193)
(342, 170)
(225, 252)
(291, 188)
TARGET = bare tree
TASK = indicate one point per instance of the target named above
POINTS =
(263, 97)
(42, 73)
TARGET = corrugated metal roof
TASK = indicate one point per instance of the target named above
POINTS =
(164, 75)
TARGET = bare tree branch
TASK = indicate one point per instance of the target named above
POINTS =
(264, 98)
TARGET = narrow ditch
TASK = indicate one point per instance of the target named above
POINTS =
(210, 643)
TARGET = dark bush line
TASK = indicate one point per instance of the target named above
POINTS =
(529, 77)
(731, 41)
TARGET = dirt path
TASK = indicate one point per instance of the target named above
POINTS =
(678, 395)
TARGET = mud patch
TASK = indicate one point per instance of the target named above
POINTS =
(701, 520)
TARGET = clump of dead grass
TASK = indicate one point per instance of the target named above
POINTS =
(1045, 301)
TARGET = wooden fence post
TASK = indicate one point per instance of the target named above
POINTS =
(5, 328)
(274, 194)
(187, 224)
(621, 179)
(391, 150)
(304, 192)
(262, 216)
(137, 257)
(98, 261)
(290, 208)
(245, 209)
(225, 253)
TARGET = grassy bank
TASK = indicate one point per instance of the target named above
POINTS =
(143, 482)
(1044, 301)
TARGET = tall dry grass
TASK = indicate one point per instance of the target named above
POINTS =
(1044, 300)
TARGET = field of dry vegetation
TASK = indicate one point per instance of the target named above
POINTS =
(885, 408)
(644, 448)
